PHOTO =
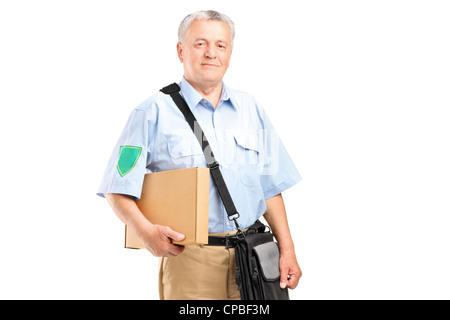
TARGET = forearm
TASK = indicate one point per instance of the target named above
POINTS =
(126, 209)
(277, 219)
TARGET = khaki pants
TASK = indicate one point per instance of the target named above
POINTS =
(199, 273)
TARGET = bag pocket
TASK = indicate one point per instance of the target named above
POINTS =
(267, 256)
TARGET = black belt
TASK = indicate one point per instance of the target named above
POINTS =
(226, 241)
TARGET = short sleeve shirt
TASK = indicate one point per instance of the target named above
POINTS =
(253, 160)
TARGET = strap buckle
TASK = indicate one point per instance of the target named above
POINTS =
(234, 218)
(213, 165)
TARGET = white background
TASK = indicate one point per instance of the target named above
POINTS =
(358, 91)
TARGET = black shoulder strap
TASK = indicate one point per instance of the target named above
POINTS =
(174, 91)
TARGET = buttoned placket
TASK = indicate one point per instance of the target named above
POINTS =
(218, 139)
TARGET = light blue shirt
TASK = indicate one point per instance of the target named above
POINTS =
(253, 160)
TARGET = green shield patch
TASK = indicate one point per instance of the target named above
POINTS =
(128, 158)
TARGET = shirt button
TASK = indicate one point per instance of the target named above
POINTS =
(228, 223)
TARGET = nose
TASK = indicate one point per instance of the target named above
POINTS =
(210, 52)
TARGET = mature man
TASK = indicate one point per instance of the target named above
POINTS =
(254, 163)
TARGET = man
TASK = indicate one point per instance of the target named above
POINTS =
(254, 163)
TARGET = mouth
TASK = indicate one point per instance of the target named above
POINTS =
(209, 65)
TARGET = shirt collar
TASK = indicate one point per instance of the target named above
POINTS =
(193, 98)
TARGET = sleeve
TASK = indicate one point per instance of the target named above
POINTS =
(127, 165)
(277, 170)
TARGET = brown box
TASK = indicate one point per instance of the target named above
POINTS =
(178, 199)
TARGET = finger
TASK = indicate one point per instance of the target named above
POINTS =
(283, 278)
(293, 281)
(178, 249)
(168, 232)
(175, 249)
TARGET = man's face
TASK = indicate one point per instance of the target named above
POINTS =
(206, 52)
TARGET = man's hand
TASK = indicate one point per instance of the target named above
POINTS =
(290, 271)
(158, 240)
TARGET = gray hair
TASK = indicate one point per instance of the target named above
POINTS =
(208, 15)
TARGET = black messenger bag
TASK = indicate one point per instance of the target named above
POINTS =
(257, 265)
(257, 254)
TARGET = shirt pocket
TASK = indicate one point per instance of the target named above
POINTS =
(185, 152)
(247, 157)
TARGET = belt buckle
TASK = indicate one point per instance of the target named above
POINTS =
(228, 243)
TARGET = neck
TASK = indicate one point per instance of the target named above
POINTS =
(210, 92)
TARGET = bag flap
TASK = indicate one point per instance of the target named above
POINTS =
(268, 255)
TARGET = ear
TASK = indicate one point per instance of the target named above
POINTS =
(180, 51)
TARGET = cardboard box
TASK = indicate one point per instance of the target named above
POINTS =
(178, 199)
